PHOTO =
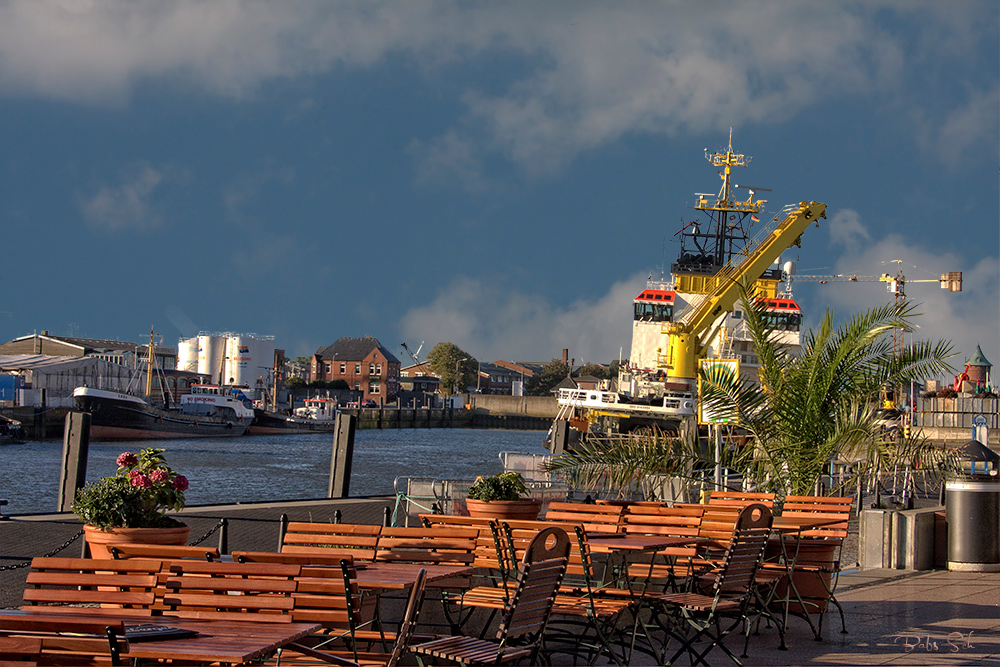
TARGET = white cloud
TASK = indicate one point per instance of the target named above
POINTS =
(492, 324)
(582, 74)
(127, 205)
(846, 230)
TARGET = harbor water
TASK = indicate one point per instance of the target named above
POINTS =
(269, 468)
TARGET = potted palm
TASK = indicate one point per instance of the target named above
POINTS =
(501, 496)
(130, 506)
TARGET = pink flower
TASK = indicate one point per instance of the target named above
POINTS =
(142, 481)
(159, 475)
(180, 483)
(126, 460)
(132, 473)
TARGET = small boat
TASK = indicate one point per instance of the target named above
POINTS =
(11, 431)
(319, 415)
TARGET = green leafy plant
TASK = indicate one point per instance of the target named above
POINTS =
(502, 486)
(137, 496)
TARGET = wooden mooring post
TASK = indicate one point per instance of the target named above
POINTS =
(343, 453)
(76, 444)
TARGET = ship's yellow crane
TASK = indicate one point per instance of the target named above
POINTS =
(686, 333)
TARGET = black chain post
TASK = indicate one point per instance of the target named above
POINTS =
(223, 536)
(386, 517)
(282, 527)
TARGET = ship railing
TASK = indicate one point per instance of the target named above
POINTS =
(587, 398)
(529, 466)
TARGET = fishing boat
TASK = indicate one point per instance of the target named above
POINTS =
(117, 415)
(692, 320)
(318, 415)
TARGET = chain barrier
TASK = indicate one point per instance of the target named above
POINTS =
(208, 534)
(18, 566)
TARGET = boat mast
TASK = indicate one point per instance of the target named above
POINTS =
(149, 367)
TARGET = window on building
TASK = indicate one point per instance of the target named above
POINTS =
(357, 386)
(371, 369)
(373, 388)
(378, 369)
(357, 368)
(327, 368)
(343, 367)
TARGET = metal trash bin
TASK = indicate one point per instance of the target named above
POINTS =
(972, 506)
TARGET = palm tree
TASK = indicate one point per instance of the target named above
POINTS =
(806, 408)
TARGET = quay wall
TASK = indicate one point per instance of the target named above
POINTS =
(530, 406)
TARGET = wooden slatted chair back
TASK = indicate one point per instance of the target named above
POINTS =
(20, 651)
(452, 545)
(328, 595)
(64, 640)
(293, 558)
(103, 586)
(740, 499)
(331, 539)
(593, 517)
(745, 552)
(163, 551)
(820, 508)
(717, 521)
(486, 544)
(231, 591)
(517, 535)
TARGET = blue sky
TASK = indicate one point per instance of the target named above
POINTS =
(503, 176)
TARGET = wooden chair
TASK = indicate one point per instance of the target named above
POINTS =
(486, 537)
(20, 651)
(675, 564)
(595, 518)
(586, 613)
(693, 617)
(815, 554)
(525, 616)
(163, 552)
(740, 499)
(354, 540)
(304, 653)
(231, 591)
(58, 639)
(111, 587)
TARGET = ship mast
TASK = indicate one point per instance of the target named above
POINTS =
(149, 367)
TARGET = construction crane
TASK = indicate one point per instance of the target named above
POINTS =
(896, 285)
(413, 355)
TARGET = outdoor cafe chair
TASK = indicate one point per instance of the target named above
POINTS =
(691, 618)
(311, 653)
(526, 612)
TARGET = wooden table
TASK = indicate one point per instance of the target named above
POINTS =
(225, 642)
(400, 576)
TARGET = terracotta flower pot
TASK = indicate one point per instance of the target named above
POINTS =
(503, 509)
(816, 558)
(101, 541)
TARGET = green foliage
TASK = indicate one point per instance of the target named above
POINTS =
(820, 404)
(295, 383)
(551, 374)
(443, 361)
(502, 486)
(137, 496)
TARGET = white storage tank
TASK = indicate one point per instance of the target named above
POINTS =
(211, 349)
(187, 355)
(239, 366)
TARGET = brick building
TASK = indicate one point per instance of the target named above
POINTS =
(363, 363)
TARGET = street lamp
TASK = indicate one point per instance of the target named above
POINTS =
(458, 380)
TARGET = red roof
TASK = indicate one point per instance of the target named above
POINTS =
(656, 295)
(782, 304)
